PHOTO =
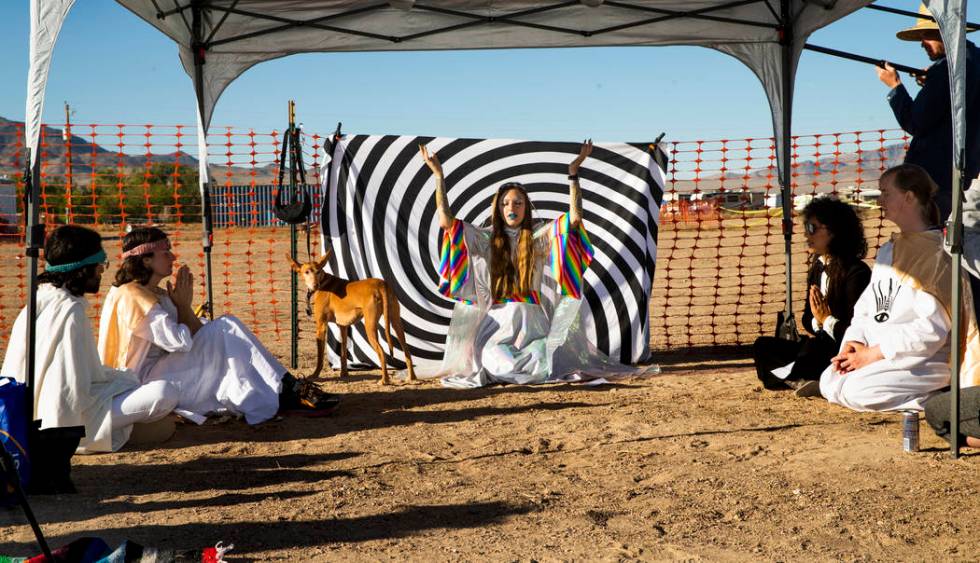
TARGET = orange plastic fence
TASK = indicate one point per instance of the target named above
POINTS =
(720, 267)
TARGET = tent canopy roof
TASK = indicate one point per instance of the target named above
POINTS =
(235, 35)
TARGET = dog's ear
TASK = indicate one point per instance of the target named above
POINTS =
(323, 259)
(293, 263)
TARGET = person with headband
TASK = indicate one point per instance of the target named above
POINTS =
(896, 353)
(218, 366)
(78, 402)
(503, 328)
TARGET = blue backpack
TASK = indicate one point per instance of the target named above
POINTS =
(13, 435)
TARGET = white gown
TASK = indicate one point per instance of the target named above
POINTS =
(71, 386)
(222, 368)
(911, 327)
(527, 339)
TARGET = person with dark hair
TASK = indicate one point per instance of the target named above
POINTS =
(896, 353)
(837, 276)
(78, 403)
(217, 366)
(503, 330)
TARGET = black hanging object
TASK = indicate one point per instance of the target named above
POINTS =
(293, 203)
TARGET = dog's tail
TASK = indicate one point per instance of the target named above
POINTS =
(389, 306)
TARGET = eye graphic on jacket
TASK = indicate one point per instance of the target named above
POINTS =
(884, 298)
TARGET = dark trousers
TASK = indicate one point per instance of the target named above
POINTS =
(938, 413)
(811, 355)
(51, 451)
(770, 353)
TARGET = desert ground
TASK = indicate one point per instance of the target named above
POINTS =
(697, 463)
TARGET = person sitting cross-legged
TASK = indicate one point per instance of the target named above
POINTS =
(217, 366)
(896, 353)
(79, 404)
(837, 276)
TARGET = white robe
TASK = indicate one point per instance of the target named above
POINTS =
(223, 367)
(518, 342)
(71, 386)
(911, 327)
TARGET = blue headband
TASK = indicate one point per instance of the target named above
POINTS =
(97, 258)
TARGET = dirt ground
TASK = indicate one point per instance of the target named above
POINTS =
(698, 463)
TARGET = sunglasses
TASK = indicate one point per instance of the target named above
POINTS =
(812, 229)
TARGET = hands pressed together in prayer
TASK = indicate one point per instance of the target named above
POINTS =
(818, 305)
(181, 292)
(855, 355)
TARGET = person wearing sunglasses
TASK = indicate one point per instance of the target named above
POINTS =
(504, 329)
(80, 404)
(837, 276)
(896, 353)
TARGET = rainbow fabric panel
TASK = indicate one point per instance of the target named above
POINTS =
(534, 298)
(571, 254)
(454, 262)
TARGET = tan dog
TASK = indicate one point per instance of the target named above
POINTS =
(343, 303)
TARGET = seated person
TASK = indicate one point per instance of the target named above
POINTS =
(215, 366)
(503, 330)
(837, 276)
(896, 353)
(938, 411)
(72, 389)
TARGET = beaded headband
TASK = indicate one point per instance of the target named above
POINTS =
(97, 258)
(147, 248)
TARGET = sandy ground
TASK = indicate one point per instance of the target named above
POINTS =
(698, 463)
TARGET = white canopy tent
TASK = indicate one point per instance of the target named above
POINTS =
(218, 40)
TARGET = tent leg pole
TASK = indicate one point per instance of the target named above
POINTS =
(206, 223)
(34, 243)
(954, 238)
(789, 326)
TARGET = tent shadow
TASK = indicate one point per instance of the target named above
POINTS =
(351, 417)
(252, 537)
(376, 409)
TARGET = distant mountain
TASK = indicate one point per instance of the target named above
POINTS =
(86, 156)
(54, 148)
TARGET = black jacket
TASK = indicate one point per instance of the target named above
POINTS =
(815, 352)
(928, 119)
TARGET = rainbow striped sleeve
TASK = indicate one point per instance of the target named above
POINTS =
(571, 254)
(454, 262)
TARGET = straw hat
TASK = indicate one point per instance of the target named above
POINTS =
(924, 28)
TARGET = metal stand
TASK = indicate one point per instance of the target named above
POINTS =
(9, 470)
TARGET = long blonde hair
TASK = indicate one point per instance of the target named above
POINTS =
(506, 280)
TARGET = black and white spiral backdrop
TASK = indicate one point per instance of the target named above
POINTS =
(379, 218)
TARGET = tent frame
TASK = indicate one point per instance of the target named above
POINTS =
(950, 15)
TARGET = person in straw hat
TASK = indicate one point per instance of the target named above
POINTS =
(928, 118)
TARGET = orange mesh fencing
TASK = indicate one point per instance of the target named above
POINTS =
(720, 270)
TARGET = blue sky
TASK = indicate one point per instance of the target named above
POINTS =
(114, 68)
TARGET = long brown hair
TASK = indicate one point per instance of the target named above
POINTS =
(506, 279)
(132, 268)
(914, 178)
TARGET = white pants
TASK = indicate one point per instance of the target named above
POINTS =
(147, 403)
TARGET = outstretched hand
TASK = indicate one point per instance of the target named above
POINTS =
(583, 153)
(181, 292)
(431, 160)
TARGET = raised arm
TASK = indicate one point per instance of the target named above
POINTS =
(575, 193)
(442, 202)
